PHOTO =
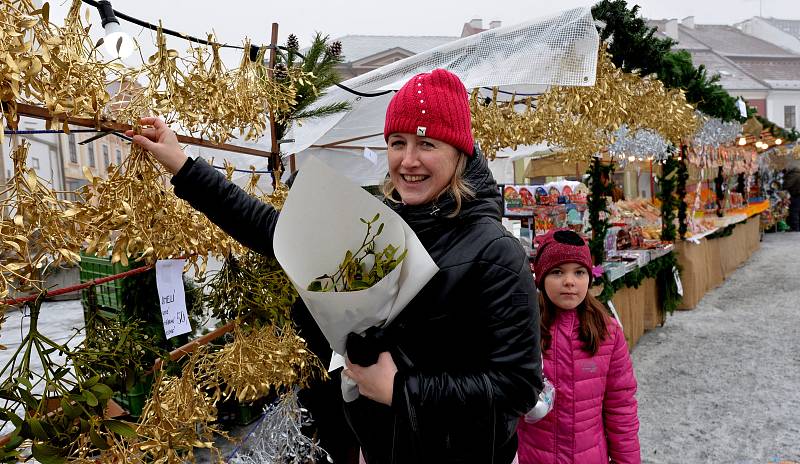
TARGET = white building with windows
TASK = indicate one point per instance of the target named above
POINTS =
(763, 68)
(59, 158)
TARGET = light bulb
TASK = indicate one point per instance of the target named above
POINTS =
(778, 141)
(118, 43)
(742, 141)
(631, 158)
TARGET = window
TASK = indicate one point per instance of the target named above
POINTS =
(119, 157)
(72, 186)
(789, 119)
(90, 150)
(73, 149)
(35, 163)
(105, 156)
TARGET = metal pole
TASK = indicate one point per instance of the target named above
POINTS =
(275, 154)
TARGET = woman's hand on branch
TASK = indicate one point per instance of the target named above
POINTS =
(161, 142)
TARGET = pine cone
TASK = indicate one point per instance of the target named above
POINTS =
(292, 43)
(281, 71)
(335, 49)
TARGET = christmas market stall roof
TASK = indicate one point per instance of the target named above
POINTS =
(525, 58)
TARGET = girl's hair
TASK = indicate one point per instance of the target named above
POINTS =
(591, 317)
(459, 188)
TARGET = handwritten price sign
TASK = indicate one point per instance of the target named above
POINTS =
(169, 281)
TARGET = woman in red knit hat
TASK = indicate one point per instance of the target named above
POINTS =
(594, 417)
(461, 363)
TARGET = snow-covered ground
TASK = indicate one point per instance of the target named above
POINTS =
(721, 383)
(58, 321)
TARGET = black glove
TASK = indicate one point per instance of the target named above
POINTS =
(365, 349)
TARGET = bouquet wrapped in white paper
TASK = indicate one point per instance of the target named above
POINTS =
(322, 220)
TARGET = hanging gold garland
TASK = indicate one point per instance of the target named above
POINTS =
(133, 216)
(261, 359)
(60, 69)
(37, 231)
(56, 67)
(582, 120)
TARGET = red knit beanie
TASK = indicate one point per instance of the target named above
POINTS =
(434, 105)
(558, 247)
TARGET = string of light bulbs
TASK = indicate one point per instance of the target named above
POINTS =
(120, 44)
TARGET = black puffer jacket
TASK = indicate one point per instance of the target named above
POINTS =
(467, 347)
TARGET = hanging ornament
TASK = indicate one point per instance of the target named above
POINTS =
(716, 132)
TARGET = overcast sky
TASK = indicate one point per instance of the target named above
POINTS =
(232, 20)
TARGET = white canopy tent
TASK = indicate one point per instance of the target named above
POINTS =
(525, 58)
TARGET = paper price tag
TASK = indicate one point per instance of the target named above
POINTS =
(169, 281)
(614, 312)
(678, 280)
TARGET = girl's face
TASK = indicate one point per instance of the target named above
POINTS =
(566, 285)
(420, 167)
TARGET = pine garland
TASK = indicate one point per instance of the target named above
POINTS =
(683, 177)
(635, 47)
(661, 269)
(597, 205)
(666, 183)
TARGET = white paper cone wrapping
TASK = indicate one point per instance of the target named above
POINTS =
(319, 222)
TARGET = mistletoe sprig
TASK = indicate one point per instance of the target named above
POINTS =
(55, 405)
(362, 269)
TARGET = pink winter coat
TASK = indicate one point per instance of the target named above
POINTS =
(595, 415)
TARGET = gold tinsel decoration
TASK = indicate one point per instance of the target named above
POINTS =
(56, 67)
(134, 216)
(177, 418)
(60, 69)
(37, 230)
(582, 120)
(261, 359)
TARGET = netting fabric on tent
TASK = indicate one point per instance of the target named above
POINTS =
(524, 58)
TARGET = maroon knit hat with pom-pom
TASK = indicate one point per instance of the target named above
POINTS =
(558, 247)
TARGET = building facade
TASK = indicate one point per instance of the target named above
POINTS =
(765, 74)
(59, 158)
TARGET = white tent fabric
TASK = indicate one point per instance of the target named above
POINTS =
(525, 58)
(352, 164)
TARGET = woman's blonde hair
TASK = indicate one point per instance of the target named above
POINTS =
(458, 187)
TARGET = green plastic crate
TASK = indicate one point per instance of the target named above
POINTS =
(134, 399)
(108, 294)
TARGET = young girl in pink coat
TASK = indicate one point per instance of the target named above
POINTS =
(594, 417)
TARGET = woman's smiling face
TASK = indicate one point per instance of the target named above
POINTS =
(420, 167)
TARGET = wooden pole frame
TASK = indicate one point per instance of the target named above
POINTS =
(32, 111)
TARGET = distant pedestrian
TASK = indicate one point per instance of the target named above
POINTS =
(791, 183)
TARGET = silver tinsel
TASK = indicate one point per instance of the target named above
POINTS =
(278, 438)
(715, 132)
(643, 144)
